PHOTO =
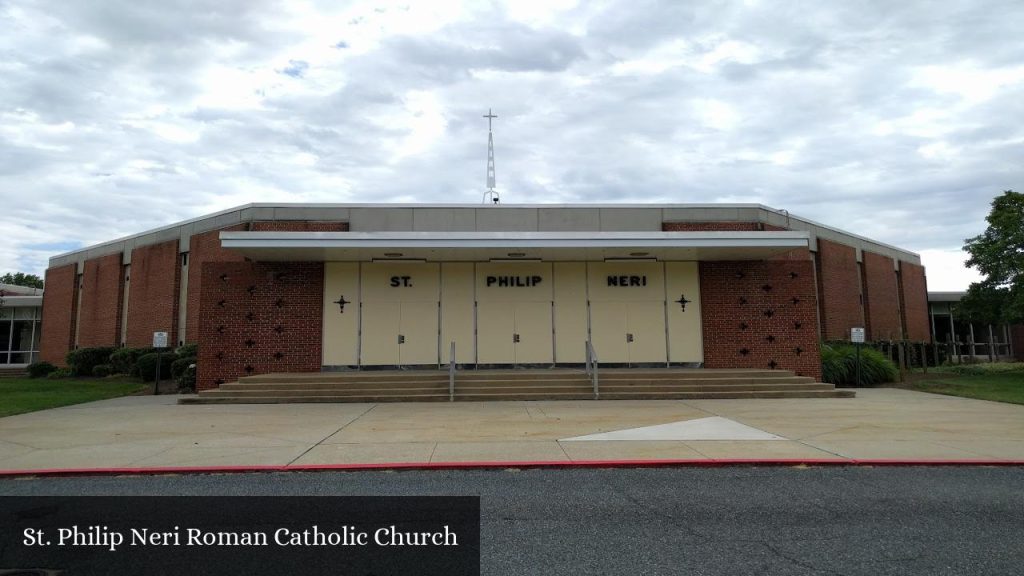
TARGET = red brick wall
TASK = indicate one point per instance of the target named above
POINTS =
(58, 327)
(102, 289)
(839, 286)
(915, 302)
(759, 312)
(205, 247)
(881, 298)
(258, 318)
(153, 293)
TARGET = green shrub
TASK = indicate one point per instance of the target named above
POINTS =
(187, 350)
(839, 365)
(102, 370)
(179, 366)
(187, 379)
(147, 366)
(82, 361)
(124, 360)
(40, 369)
(59, 373)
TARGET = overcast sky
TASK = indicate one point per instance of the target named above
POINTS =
(899, 121)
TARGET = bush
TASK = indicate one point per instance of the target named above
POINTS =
(124, 360)
(82, 361)
(183, 375)
(179, 366)
(839, 365)
(102, 370)
(187, 379)
(147, 366)
(188, 350)
(40, 369)
(59, 373)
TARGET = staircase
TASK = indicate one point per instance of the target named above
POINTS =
(13, 372)
(487, 385)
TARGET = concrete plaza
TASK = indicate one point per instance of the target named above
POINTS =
(144, 431)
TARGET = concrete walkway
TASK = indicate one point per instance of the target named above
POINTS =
(156, 432)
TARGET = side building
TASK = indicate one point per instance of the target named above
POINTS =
(303, 288)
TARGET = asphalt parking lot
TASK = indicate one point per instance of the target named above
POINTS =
(737, 520)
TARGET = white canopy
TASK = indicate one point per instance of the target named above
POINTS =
(483, 246)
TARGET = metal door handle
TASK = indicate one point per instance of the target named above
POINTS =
(515, 338)
(401, 338)
(629, 337)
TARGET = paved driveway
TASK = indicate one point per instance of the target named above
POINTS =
(156, 432)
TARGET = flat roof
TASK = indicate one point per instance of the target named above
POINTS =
(483, 246)
(945, 296)
(369, 216)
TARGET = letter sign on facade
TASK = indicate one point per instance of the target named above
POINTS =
(514, 281)
(640, 280)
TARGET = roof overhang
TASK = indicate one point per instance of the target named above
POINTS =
(483, 246)
(11, 301)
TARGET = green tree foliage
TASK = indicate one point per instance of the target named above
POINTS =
(998, 253)
(22, 279)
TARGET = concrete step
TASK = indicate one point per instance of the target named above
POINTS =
(502, 388)
(485, 385)
(252, 399)
(489, 397)
(486, 375)
(460, 384)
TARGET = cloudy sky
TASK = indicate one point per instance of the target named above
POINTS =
(899, 121)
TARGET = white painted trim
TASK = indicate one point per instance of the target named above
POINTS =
(503, 240)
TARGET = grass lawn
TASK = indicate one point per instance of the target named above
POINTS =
(20, 395)
(999, 386)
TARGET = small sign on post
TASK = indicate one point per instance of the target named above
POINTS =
(159, 342)
(857, 337)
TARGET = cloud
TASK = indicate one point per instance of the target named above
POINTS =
(894, 122)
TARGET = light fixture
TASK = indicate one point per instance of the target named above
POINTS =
(516, 254)
(393, 254)
(639, 253)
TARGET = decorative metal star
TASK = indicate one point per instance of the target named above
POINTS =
(341, 303)
(682, 301)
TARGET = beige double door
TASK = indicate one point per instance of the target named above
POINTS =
(514, 333)
(399, 314)
(628, 332)
(627, 312)
(399, 333)
(514, 313)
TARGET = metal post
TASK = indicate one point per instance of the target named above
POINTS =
(156, 385)
(992, 352)
(901, 359)
(451, 373)
(858, 363)
(924, 357)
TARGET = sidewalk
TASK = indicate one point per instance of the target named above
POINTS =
(144, 432)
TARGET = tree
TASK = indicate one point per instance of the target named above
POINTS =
(998, 253)
(22, 279)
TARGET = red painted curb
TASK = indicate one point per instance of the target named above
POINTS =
(130, 471)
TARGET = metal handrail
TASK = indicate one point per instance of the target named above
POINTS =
(592, 368)
(451, 373)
